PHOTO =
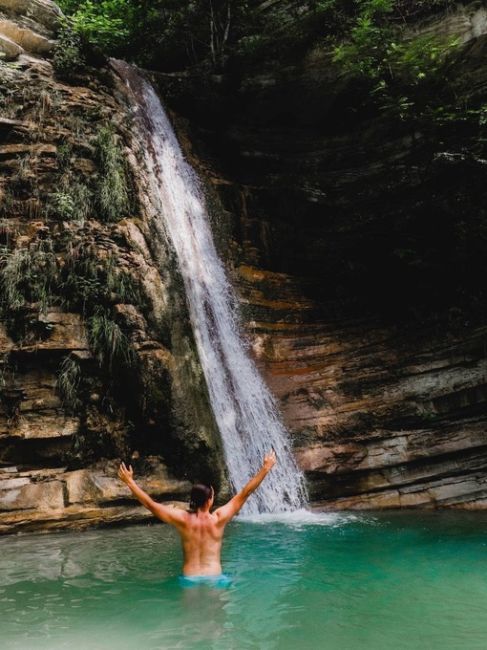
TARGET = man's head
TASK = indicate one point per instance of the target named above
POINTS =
(202, 496)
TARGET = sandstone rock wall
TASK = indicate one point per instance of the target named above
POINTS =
(382, 416)
(27, 26)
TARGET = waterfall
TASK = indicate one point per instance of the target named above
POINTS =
(244, 410)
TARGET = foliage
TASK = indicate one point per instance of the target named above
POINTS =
(7, 371)
(7, 201)
(89, 280)
(73, 199)
(113, 191)
(28, 275)
(92, 284)
(163, 30)
(62, 205)
(172, 34)
(120, 284)
(64, 154)
(106, 23)
(401, 68)
(69, 58)
(68, 380)
(23, 173)
(72, 203)
(108, 341)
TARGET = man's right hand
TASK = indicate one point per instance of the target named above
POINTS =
(269, 460)
(126, 474)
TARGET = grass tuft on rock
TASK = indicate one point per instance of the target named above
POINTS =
(68, 381)
(113, 195)
(28, 275)
(107, 340)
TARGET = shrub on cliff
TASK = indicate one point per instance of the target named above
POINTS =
(69, 59)
(107, 23)
(402, 69)
(71, 203)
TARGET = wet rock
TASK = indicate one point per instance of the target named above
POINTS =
(45, 495)
(381, 417)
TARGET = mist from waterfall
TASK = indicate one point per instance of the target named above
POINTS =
(243, 407)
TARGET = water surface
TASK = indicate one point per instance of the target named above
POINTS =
(402, 581)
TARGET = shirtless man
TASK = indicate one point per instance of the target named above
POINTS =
(201, 531)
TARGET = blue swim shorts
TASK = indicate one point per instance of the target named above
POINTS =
(220, 581)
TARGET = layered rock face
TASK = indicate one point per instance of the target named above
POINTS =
(382, 416)
(354, 244)
(27, 26)
(97, 357)
(360, 264)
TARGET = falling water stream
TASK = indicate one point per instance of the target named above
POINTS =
(243, 407)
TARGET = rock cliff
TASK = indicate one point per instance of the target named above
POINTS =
(97, 357)
(358, 247)
(355, 242)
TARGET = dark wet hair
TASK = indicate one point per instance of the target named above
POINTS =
(199, 496)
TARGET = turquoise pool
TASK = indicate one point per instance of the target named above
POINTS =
(349, 582)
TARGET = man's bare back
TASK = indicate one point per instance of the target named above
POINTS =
(202, 538)
(201, 531)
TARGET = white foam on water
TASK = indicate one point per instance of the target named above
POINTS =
(243, 407)
(301, 517)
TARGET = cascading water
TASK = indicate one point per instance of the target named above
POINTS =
(244, 410)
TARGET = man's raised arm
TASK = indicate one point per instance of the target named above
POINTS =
(230, 509)
(170, 515)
